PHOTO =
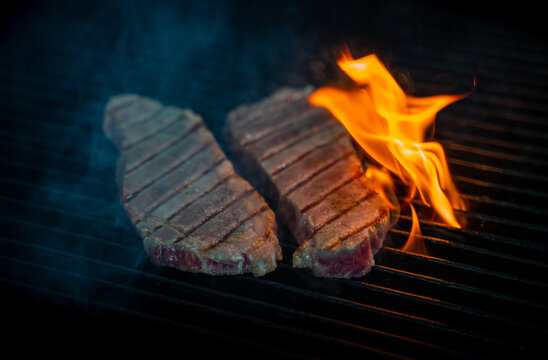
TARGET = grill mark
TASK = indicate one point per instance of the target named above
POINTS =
(172, 226)
(306, 153)
(172, 143)
(312, 131)
(309, 206)
(377, 220)
(169, 171)
(344, 212)
(285, 124)
(130, 146)
(234, 229)
(331, 246)
(221, 182)
(147, 214)
(353, 232)
(330, 164)
(211, 216)
(308, 122)
(162, 222)
(175, 193)
(274, 130)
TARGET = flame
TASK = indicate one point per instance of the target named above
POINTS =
(390, 126)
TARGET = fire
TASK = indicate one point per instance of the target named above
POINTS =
(390, 126)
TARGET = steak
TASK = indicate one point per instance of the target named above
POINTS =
(307, 166)
(183, 196)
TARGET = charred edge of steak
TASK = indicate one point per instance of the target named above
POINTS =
(351, 256)
(188, 259)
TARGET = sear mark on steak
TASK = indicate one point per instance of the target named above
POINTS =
(308, 168)
(192, 210)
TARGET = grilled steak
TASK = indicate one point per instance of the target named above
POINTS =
(308, 168)
(192, 210)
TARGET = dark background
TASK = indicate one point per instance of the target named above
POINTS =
(66, 241)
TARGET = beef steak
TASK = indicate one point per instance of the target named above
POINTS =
(192, 210)
(307, 166)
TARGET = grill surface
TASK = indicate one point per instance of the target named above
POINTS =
(70, 259)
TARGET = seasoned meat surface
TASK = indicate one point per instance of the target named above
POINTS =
(306, 164)
(183, 196)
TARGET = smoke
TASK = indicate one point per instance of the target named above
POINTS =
(208, 56)
(73, 229)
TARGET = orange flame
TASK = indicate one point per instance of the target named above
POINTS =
(390, 126)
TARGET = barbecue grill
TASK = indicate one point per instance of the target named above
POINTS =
(71, 263)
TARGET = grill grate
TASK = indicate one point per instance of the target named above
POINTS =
(69, 256)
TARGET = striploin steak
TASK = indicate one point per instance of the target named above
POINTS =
(306, 164)
(181, 193)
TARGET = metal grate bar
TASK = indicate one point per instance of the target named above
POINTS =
(161, 325)
(234, 300)
(459, 151)
(486, 259)
(530, 232)
(497, 114)
(251, 303)
(99, 262)
(463, 62)
(463, 274)
(455, 292)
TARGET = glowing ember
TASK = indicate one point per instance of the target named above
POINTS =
(390, 126)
